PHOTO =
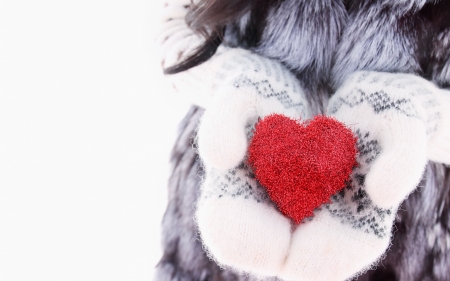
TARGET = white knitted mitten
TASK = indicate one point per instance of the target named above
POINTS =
(239, 225)
(398, 119)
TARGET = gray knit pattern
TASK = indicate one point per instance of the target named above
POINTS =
(267, 77)
(237, 182)
(351, 205)
(414, 94)
(276, 85)
(389, 36)
(183, 257)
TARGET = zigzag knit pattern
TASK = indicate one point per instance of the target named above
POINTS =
(352, 205)
(415, 92)
(239, 225)
(400, 121)
(394, 116)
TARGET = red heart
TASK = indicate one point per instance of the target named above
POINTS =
(302, 164)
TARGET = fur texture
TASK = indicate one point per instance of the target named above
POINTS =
(303, 35)
(421, 246)
(393, 36)
(183, 257)
(439, 65)
(381, 38)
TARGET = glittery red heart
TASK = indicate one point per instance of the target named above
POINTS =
(302, 164)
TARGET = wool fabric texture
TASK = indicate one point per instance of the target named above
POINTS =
(396, 118)
(401, 122)
(239, 225)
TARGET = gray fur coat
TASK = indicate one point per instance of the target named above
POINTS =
(322, 41)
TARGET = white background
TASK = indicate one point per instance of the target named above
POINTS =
(86, 129)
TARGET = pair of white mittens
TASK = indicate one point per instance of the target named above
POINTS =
(400, 122)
